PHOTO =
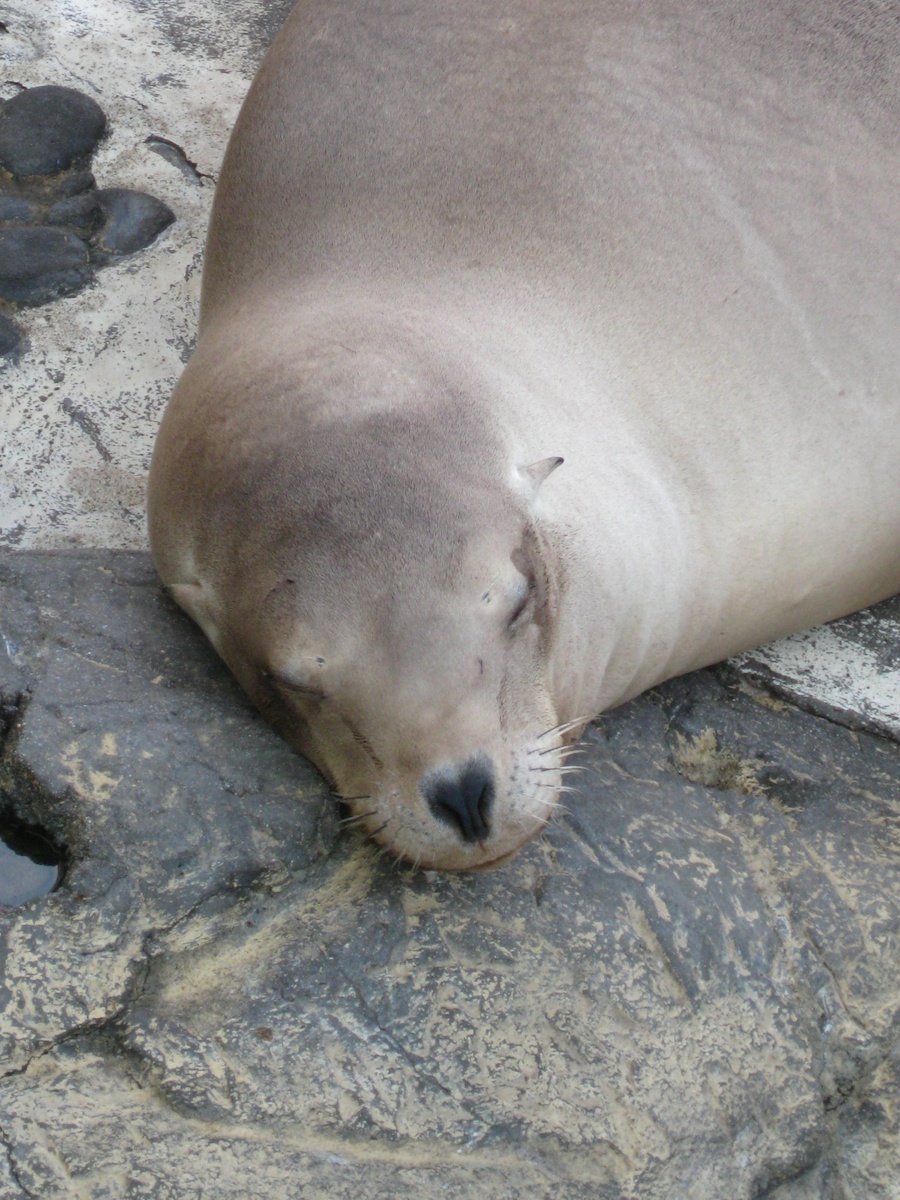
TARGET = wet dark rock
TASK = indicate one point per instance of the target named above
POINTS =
(81, 214)
(17, 210)
(72, 183)
(132, 220)
(10, 337)
(690, 986)
(46, 129)
(39, 264)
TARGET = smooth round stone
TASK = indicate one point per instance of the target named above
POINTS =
(10, 336)
(45, 129)
(132, 221)
(72, 183)
(16, 210)
(38, 264)
(82, 214)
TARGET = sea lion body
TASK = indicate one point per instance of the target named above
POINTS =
(454, 241)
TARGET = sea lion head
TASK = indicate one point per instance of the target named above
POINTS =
(357, 543)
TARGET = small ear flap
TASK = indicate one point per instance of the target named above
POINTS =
(535, 473)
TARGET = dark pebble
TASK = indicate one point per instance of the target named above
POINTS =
(10, 336)
(132, 221)
(73, 182)
(40, 264)
(83, 214)
(46, 129)
(16, 210)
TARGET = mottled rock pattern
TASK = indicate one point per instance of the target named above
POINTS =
(46, 129)
(689, 987)
(848, 670)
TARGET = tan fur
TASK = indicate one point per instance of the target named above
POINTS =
(451, 240)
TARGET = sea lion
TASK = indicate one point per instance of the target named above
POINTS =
(456, 245)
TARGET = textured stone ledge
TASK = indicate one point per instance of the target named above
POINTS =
(690, 986)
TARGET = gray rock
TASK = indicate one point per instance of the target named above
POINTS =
(71, 183)
(18, 210)
(44, 130)
(10, 337)
(38, 264)
(848, 670)
(131, 221)
(81, 214)
(690, 986)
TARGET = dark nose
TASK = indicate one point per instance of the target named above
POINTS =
(462, 796)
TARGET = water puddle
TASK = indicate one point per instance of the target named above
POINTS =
(30, 865)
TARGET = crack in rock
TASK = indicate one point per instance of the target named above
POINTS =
(12, 1168)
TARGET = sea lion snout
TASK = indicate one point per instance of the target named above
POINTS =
(462, 796)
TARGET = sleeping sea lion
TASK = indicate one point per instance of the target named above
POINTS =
(547, 350)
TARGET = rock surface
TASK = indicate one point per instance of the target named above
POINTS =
(689, 987)
(848, 670)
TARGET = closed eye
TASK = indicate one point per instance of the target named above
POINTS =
(282, 684)
(302, 689)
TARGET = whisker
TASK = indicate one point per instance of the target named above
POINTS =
(555, 810)
(564, 727)
(375, 832)
(352, 799)
(550, 750)
(347, 822)
(572, 770)
(564, 752)
(556, 729)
